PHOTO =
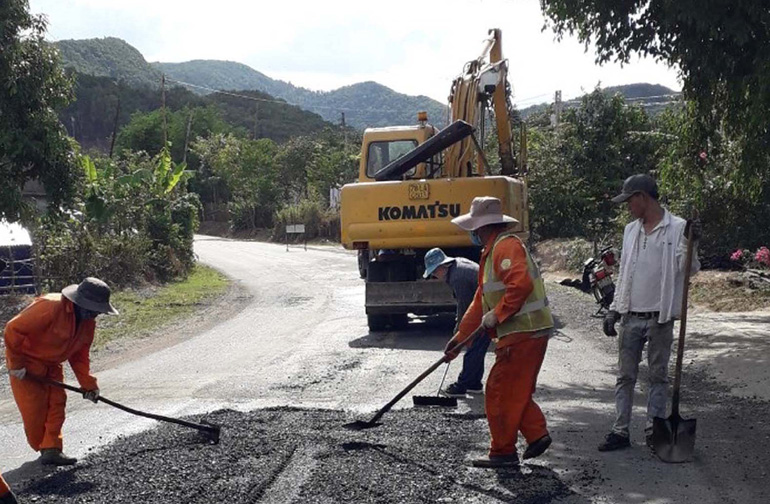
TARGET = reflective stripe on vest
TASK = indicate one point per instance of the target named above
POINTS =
(534, 315)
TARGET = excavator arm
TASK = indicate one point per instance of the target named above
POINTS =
(483, 79)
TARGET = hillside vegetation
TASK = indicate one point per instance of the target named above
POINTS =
(90, 118)
(108, 57)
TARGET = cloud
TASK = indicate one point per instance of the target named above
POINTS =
(412, 47)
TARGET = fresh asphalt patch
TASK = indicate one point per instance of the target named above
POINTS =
(301, 455)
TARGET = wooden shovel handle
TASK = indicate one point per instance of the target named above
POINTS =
(682, 323)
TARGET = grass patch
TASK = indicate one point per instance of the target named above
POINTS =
(145, 310)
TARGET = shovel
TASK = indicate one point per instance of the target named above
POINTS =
(368, 424)
(210, 431)
(674, 437)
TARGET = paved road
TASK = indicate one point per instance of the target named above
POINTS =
(303, 340)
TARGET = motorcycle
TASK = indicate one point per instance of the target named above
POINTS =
(597, 278)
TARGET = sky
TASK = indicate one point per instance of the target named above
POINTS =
(412, 47)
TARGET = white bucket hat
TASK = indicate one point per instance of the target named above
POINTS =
(485, 210)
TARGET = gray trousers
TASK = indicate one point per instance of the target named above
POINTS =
(634, 333)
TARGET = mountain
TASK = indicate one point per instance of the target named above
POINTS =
(108, 57)
(217, 74)
(364, 104)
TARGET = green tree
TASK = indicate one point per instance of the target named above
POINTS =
(33, 143)
(721, 50)
(576, 167)
(249, 169)
(145, 131)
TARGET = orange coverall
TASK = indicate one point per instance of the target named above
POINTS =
(509, 405)
(39, 339)
(4, 488)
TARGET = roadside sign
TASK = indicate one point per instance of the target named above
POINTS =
(295, 229)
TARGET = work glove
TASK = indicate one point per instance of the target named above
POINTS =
(697, 229)
(91, 395)
(610, 319)
(19, 374)
(451, 350)
(490, 320)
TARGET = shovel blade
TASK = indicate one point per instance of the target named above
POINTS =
(674, 438)
(450, 402)
(360, 425)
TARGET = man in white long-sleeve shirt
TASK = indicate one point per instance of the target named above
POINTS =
(647, 301)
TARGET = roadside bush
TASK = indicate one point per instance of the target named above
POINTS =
(135, 222)
(67, 252)
(319, 221)
(760, 259)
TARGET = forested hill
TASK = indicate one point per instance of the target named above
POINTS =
(364, 104)
(108, 57)
(90, 118)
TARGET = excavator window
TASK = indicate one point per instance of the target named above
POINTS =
(381, 154)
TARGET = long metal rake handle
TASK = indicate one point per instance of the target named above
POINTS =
(210, 429)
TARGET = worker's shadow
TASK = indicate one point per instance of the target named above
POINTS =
(536, 483)
(36, 479)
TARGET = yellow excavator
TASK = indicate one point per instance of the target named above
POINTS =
(414, 179)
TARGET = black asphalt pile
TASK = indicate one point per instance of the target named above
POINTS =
(295, 455)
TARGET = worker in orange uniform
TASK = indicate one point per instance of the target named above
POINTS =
(53, 329)
(6, 496)
(510, 303)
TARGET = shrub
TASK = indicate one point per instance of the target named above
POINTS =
(319, 221)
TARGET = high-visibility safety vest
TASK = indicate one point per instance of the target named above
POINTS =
(534, 315)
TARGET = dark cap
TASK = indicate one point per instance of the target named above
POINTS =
(92, 294)
(635, 184)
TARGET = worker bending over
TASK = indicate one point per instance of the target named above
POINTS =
(511, 304)
(53, 329)
(463, 276)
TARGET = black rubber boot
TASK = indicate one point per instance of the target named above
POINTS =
(497, 461)
(537, 447)
(614, 442)
(54, 456)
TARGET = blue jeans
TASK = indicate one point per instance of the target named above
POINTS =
(473, 363)
(634, 333)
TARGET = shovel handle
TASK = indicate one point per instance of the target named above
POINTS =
(420, 378)
(682, 325)
(204, 428)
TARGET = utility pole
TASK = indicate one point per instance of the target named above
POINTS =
(557, 106)
(187, 135)
(344, 131)
(256, 120)
(115, 125)
(163, 108)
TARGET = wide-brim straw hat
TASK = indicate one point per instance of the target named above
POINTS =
(91, 294)
(485, 210)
